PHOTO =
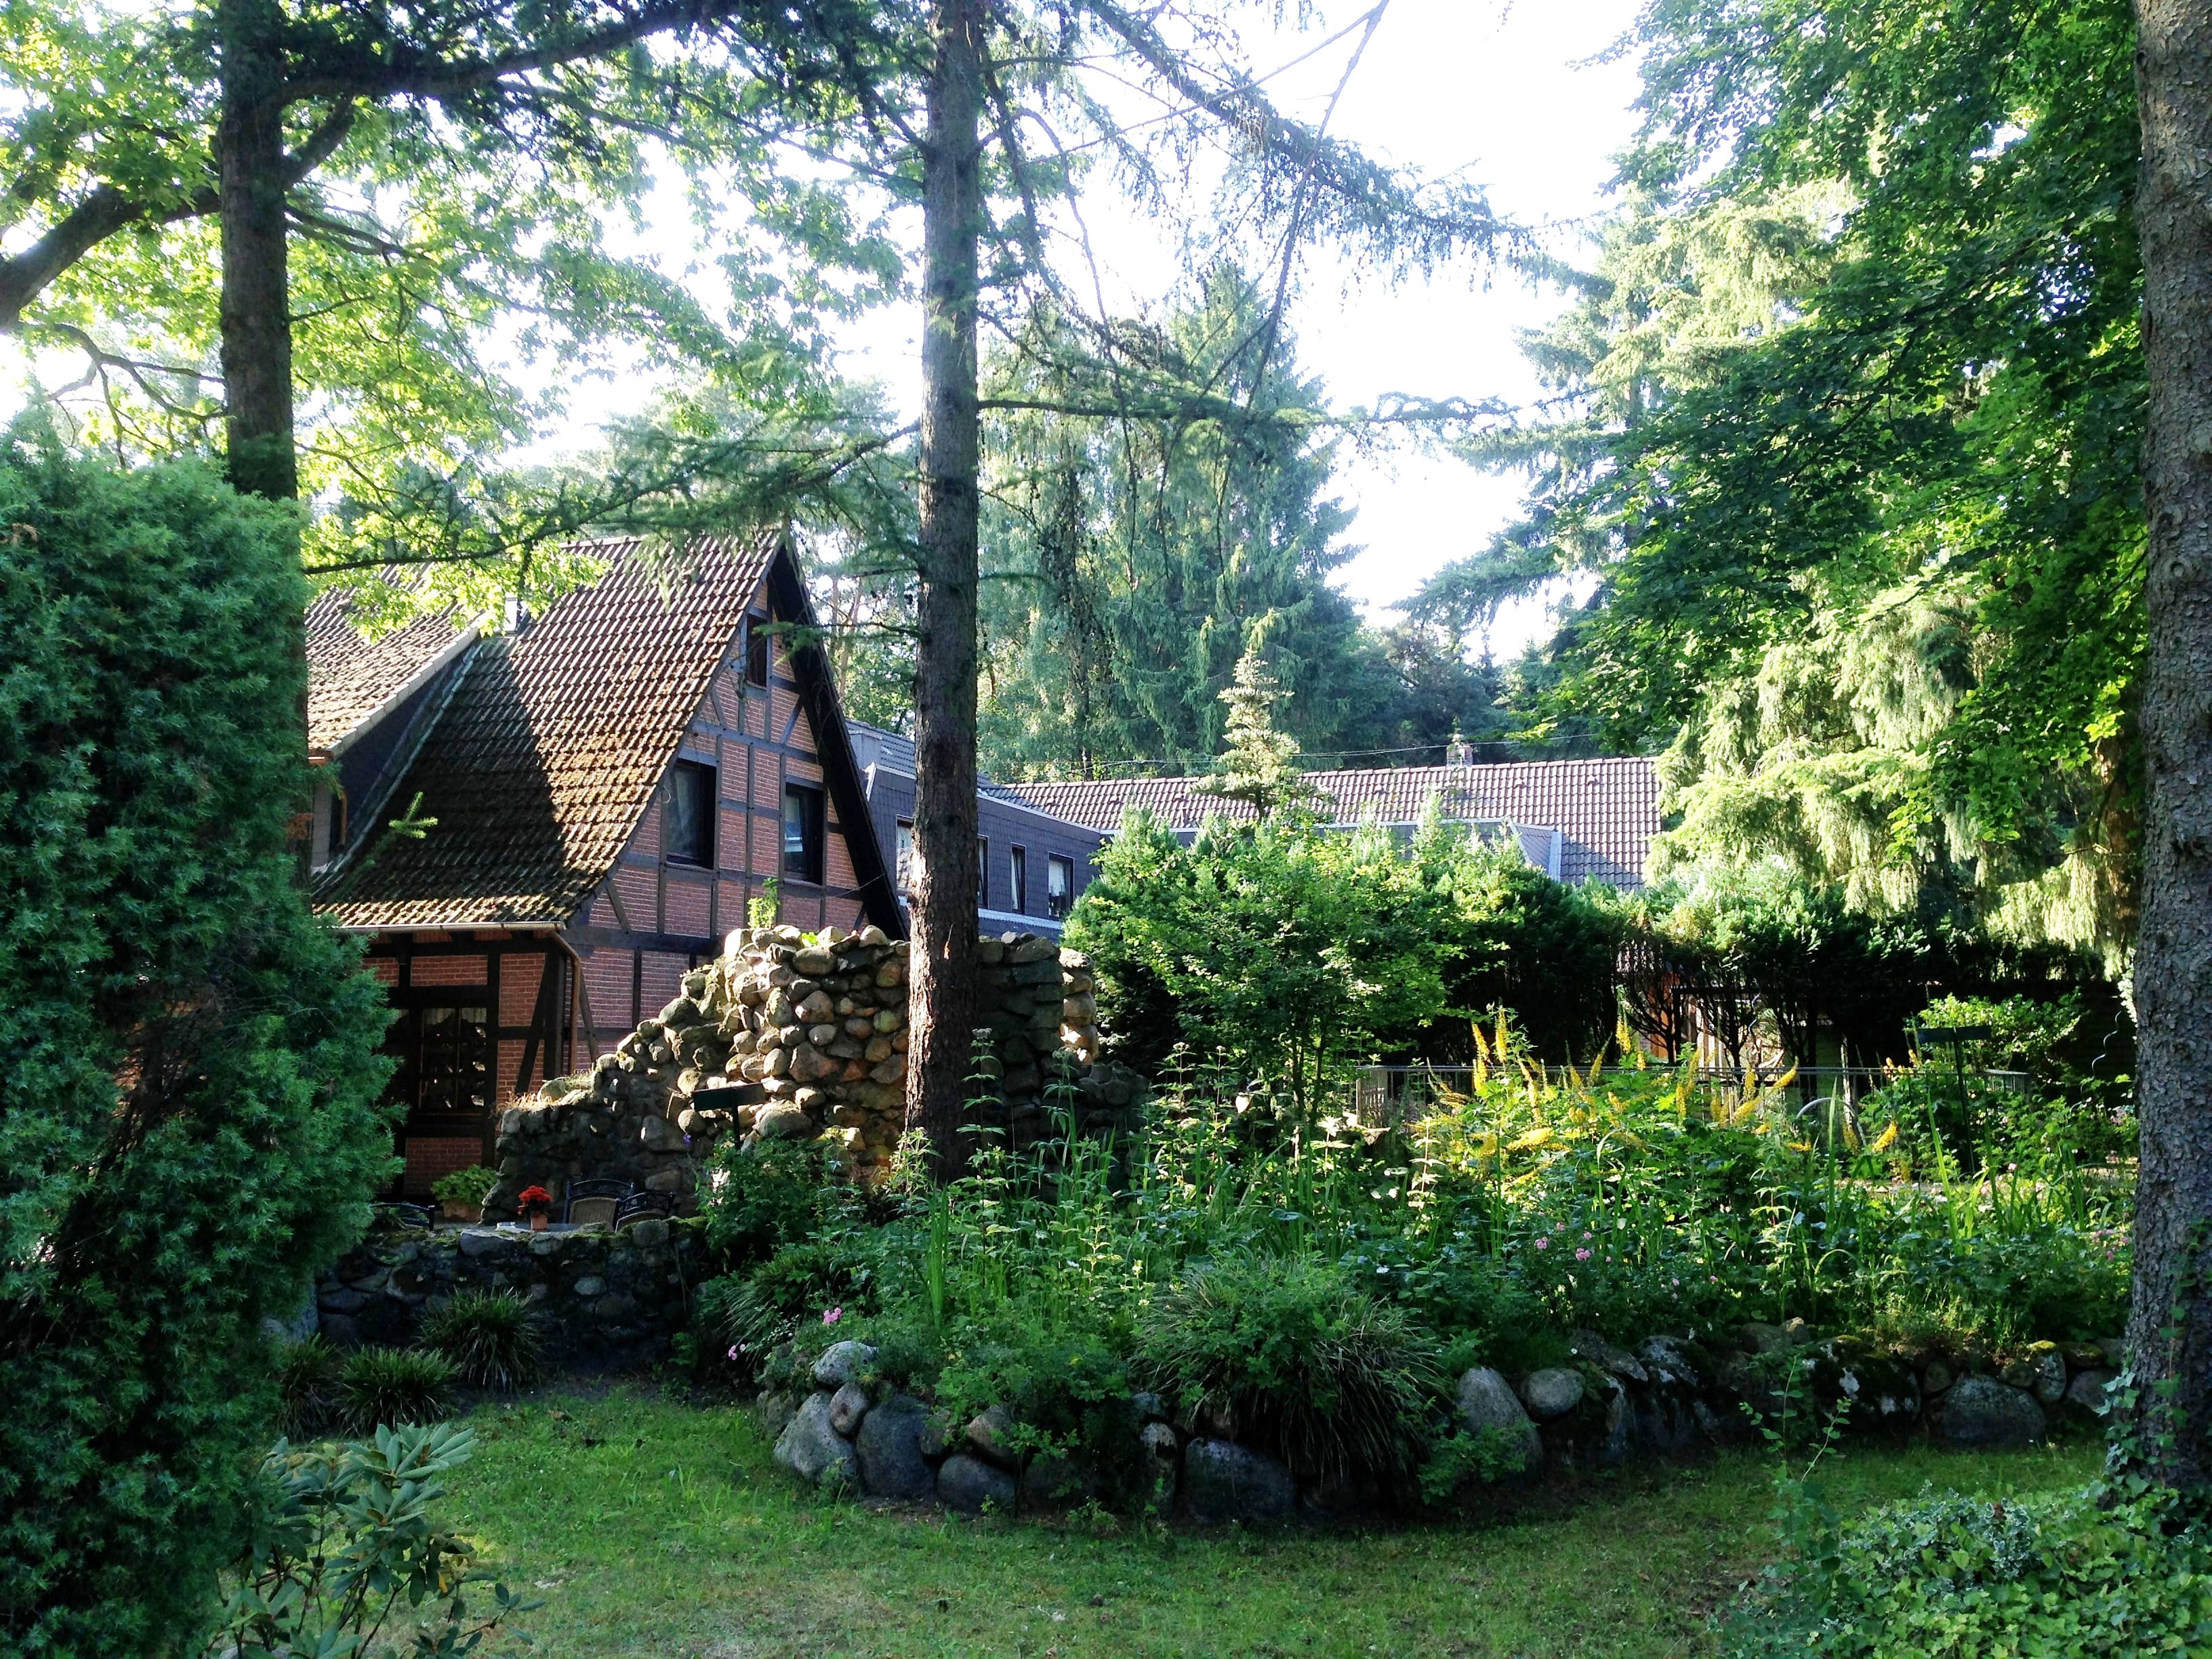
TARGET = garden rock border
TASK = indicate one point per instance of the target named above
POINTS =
(1667, 1395)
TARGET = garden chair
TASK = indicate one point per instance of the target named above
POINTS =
(644, 1207)
(594, 1202)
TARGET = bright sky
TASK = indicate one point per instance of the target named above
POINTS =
(1505, 92)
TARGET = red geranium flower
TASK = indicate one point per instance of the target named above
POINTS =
(533, 1198)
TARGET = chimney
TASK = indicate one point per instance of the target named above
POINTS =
(518, 615)
(1459, 752)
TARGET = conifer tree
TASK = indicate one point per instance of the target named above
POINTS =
(1260, 767)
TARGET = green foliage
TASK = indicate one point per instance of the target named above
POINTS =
(490, 1337)
(1287, 952)
(761, 1199)
(189, 1125)
(1258, 765)
(1304, 1363)
(381, 1388)
(2053, 1573)
(347, 1551)
(307, 1386)
(1845, 424)
(465, 1189)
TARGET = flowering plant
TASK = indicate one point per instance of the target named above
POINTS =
(533, 1200)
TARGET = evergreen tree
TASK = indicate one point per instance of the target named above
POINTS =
(1260, 766)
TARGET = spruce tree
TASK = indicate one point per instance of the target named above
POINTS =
(1260, 767)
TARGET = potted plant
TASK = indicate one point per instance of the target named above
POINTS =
(536, 1203)
(461, 1194)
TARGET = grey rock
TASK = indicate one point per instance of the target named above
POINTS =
(1621, 1425)
(990, 1437)
(338, 1299)
(841, 1363)
(811, 1449)
(477, 1243)
(936, 1435)
(1776, 1338)
(1552, 1392)
(2115, 1350)
(1163, 1463)
(1051, 1482)
(298, 1328)
(613, 1309)
(1148, 1408)
(774, 1411)
(1936, 1376)
(1487, 1401)
(847, 1407)
(649, 1234)
(968, 1485)
(1983, 1412)
(784, 1122)
(2049, 1385)
(657, 1135)
(1588, 1345)
(1669, 1360)
(1223, 1481)
(2086, 1390)
(889, 1449)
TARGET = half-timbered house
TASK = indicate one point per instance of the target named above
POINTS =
(542, 825)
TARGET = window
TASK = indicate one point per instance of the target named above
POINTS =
(906, 882)
(1017, 872)
(982, 872)
(1058, 885)
(802, 832)
(756, 651)
(687, 829)
(444, 1056)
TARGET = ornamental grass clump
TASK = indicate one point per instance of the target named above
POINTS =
(388, 1387)
(1300, 1360)
(490, 1336)
(308, 1373)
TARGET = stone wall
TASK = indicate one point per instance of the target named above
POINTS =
(604, 1299)
(785, 1037)
(1604, 1406)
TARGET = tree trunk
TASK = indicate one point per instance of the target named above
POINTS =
(2170, 1327)
(943, 998)
(255, 312)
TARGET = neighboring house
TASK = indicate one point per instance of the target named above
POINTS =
(1573, 819)
(603, 791)
(1031, 864)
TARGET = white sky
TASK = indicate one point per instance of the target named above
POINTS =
(1502, 91)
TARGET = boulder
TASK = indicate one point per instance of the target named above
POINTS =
(890, 1451)
(1162, 1461)
(843, 1363)
(1983, 1412)
(1668, 1358)
(1223, 1481)
(2086, 1390)
(990, 1437)
(1552, 1392)
(968, 1485)
(784, 1121)
(1487, 1402)
(811, 1449)
(1589, 1345)
(847, 1407)
(1052, 1481)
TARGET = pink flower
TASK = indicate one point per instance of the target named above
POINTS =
(1582, 1255)
(1543, 1244)
(830, 1316)
(733, 1352)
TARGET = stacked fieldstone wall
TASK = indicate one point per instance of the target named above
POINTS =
(788, 1036)
(1603, 1405)
(603, 1299)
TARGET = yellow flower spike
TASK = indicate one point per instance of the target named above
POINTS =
(1884, 1141)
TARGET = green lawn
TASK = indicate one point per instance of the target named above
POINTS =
(653, 1528)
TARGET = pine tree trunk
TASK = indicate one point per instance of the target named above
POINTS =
(255, 312)
(2170, 1328)
(943, 999)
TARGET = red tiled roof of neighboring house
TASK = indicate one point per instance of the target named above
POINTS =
(1605, 810)
(545, 760)
(349, 675)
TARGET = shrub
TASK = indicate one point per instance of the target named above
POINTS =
(2057, 1573)
(763, 1198)
(152, 933)
(348, 1541)
(387, 1386)
(307, 1393)
(466, 1189)
(1307, 1365)
(491, 1338)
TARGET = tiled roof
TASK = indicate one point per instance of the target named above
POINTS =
(1605, 810)
(876, 747)
(349, 675)
(546, 759)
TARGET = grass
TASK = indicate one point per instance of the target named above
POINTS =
(653, 1528)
